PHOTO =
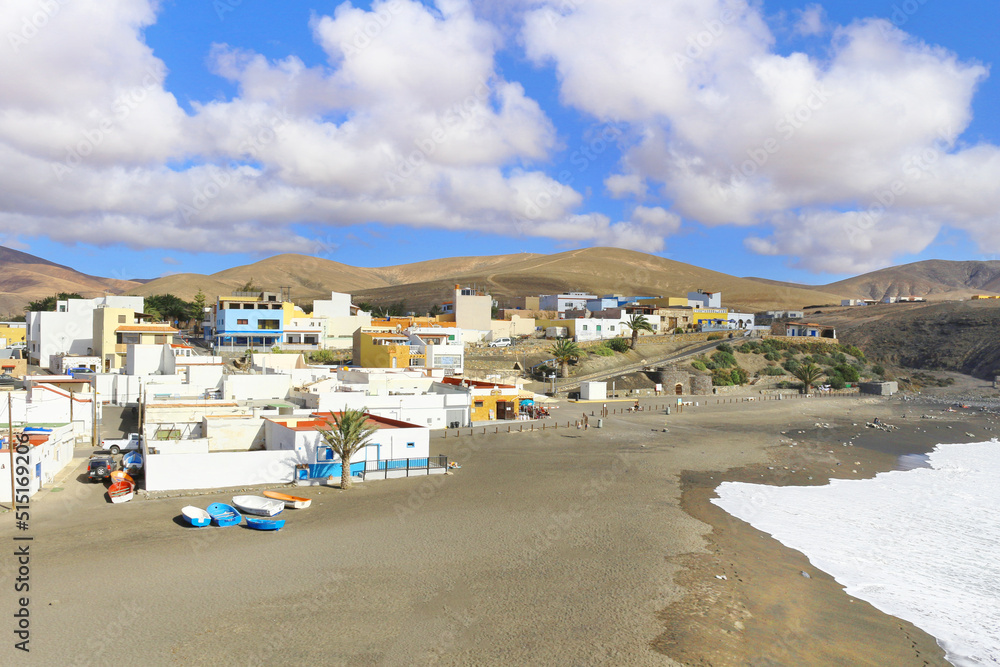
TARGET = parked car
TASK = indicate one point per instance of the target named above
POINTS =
(124, 444)
(100, 468)
(73, 372)
(501, 342)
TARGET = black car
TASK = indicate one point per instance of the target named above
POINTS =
(100, 468)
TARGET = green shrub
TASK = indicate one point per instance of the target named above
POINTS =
(722, 377)
(715, 336)
(724, 359)
(848, 372)
(602, 351)
(700, 365)
(772, 370)
(749, 347)
(791, 365)
(878, 370)
(739, 376)
(324, 357)
(724, 347)
(678, 330)
(837, 382)
(618, 344)
(855, 352)
(772, 356)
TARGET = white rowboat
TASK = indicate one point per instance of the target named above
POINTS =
(258, 505)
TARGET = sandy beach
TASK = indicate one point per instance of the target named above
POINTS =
(562, 547)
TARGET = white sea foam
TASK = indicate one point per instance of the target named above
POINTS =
(922, 544)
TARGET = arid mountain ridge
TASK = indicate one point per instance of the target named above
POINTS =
(422, 284)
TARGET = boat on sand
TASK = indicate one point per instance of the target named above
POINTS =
(196, 516)
(224, 515)
(291, 502)
(258, 505)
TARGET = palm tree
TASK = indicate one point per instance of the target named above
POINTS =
(348, 432)
(808, 374)
(564, 352)
(638, 323)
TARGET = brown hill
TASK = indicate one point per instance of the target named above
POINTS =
(934, 279)
(958, 336)
(423, 284)
(603, 271)
(25, 278)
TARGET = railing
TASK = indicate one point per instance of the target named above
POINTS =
(424, 465)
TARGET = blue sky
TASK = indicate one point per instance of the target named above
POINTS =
(676, 134)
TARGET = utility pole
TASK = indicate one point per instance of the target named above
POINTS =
(93, 404)
(10, 444)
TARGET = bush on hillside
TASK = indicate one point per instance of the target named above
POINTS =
(618, 344)
(602, 351)
(724, 347)
(699, 365)
(771, 370)
(724, 359)
(715, 336)
(837, 382)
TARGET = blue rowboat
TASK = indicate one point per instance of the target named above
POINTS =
(132, 461)
(224, 515)
(258, 523)
(196, 516)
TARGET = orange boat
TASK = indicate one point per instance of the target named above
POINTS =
(121, 476)
(291, 502)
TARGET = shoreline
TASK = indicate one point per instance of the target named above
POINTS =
(773, 607)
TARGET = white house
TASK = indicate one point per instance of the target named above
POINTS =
(563, 302)
(48, 451)
(69, 329)
(702, 299)
(810, 330)
(393, 450)
(412, 396)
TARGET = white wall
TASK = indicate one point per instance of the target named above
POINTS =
(233, 433)
(429, 410)
(256, 387)
(53, 456)
(166, 472)
(338, 305)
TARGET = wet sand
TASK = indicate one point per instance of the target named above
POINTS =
(564, 547)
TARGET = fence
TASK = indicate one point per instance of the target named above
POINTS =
(531, 427)
(392, 468)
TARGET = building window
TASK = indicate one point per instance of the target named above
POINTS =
(479, 404)
(411, 445)
(324, 454)
(121, 319)
(242, 321)
(269, 325)
(159, 339)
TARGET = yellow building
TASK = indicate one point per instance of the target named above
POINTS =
(382, 349)
(13, 333)
(116, 328)
(709, 316)
(490, 401)
(975, 297)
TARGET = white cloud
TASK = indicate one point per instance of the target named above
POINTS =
(733, 133)
(811, 20)
(409, 123)
(849, 242)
